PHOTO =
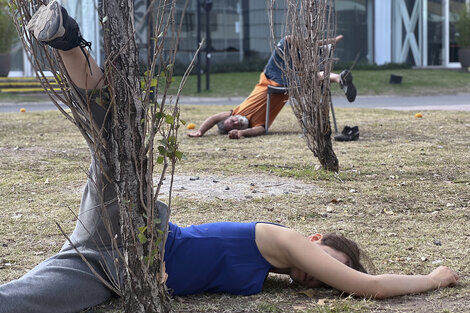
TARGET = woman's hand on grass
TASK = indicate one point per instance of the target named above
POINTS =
(444, 277)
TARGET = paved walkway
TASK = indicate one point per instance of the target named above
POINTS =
(456, 102)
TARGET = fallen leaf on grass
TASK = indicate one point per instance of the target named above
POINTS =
(308, 292)
(336, 201)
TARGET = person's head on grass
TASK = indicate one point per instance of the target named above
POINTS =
(233, 122)
(339, 247)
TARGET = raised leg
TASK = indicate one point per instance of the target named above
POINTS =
(52, 26)
(83, 75)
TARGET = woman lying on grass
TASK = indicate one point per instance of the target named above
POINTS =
(219, 257)
(236, 258)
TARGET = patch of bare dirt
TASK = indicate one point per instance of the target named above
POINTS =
(235, 188)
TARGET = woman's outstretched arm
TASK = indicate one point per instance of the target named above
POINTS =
(285, 248)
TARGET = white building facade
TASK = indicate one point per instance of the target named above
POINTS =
(417, 32)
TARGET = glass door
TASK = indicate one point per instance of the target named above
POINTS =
(436, 33)
(455, 7)
(354, 20)
(442, 15)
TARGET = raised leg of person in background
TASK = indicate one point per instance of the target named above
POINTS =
(344, 79)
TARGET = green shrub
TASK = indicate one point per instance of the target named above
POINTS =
(7, 30)
(463, 28)
(250, 64)
(338, 66)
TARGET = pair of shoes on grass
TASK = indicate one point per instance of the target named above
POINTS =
(348, 134)
(345, 83)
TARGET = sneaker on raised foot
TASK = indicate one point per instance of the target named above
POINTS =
(53, 26)
(345, 82)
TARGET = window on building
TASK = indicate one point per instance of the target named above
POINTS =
(354, 22)
(455, 7)
(435, 32)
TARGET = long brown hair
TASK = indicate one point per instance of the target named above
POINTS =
(350, 248)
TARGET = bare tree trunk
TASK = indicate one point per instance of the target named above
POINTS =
(318, 137)
(143, 289)
(310, 26)
(127, 143)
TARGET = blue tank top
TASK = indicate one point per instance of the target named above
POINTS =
(275, 66)
(216, 258)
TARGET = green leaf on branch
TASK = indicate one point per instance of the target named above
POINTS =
(179, 155)
(159, 115)
(148, 260)
(160, 160)
(162, 150)
(169, 119)
(142, 238)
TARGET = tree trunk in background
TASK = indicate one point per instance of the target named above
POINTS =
(319, 136)
(310, 24)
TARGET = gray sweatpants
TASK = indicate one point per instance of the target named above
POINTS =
(64, 282)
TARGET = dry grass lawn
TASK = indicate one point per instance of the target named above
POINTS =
(403, 192)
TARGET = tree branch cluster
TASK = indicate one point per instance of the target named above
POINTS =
(309, 28)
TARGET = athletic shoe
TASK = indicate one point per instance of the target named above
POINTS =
(52, 25)
(345, 82)
(348, 134)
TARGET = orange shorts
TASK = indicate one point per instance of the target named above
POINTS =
(254, 107)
